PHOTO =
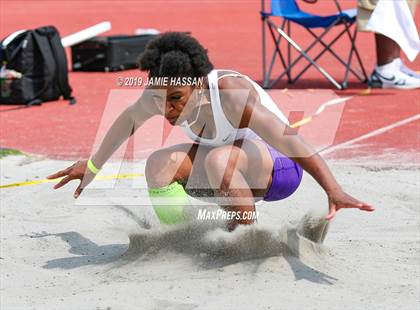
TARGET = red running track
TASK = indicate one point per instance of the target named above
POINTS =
(231, 31)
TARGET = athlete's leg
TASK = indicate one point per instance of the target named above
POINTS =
(240, 174)
(167, 171)
(175, 164)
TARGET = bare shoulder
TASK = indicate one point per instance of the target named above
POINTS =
(237, 97)
(233, 82)
(232, 89)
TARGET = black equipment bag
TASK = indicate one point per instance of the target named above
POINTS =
(110, 53)
(34, 68)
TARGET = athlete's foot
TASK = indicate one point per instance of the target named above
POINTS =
(392, 76)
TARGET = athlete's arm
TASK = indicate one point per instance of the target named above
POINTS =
(249, 112)
(125, 125)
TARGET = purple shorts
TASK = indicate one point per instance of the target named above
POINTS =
(286, 176)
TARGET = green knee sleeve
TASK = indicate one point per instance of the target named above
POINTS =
(169, 202)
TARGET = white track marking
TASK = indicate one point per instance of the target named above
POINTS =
(370, 134)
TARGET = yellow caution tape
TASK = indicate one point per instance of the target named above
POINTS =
(99, 177)
(301, 122)
(321, 109)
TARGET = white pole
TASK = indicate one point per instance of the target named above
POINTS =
(85, 34)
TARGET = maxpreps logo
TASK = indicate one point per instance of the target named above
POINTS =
(214, 215)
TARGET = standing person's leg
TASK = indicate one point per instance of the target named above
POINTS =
(387, 50)
(400, 64)
(390, 72)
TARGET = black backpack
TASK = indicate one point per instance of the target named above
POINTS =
(33, 68)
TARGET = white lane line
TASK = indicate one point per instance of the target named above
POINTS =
(370, 134)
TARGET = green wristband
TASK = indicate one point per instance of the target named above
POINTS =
(92, 167)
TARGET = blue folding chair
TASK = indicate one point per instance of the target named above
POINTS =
(289, 12)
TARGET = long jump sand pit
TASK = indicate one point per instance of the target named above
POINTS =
(56, 254)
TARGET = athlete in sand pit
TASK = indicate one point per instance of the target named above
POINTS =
(239, 137)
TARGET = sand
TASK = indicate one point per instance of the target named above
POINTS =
(109, 254)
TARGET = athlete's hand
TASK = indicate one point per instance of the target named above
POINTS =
(77, 171)
(340, 200)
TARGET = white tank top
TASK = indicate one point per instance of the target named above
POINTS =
(225, 132)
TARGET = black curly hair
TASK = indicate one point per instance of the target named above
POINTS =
(175, 54)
